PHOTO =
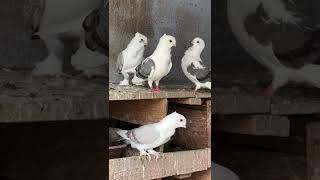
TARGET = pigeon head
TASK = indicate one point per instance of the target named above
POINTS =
(141, 38)
(198, 43)
(168, 41)
(178, 119)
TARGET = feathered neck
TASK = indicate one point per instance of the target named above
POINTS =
(167, 123)
(133, 48)
(162, 48)
(194, 51)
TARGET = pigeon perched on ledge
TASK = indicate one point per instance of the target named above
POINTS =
(131, 57)
(150, 136)
(159, 64)
(193, 67)
(280, 38)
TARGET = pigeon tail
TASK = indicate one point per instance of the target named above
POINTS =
(207, 85)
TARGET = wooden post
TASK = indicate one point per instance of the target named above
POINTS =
(313, 150)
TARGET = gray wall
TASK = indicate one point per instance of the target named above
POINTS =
(184, 19)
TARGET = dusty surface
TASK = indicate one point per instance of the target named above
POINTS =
(117, 92)
(239, 95)
(25, 98)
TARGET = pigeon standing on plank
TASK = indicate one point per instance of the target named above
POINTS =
(131, 57)
(159, 64)
(150, 136)
(193, 68)
(280, 37)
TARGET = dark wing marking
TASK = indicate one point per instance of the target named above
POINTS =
(202, 75)
(144, 69)
(120, 62)
(93, 40)
(294, 46)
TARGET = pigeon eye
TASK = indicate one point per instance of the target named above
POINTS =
(141, 39)
(198, 42)
(170, 40)
(181, 120)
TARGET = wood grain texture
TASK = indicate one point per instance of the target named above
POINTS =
(198, 132)
(170, 164)
(139, 111)
(261, 125)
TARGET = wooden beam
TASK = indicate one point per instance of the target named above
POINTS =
(169, 164)
(139, 111)
(291, 144)
(197, 135)
(313, 150)
(188, 101)
(261, 125)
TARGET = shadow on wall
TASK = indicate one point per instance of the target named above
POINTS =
(184, 19)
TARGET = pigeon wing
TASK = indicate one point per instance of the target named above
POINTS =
(144, 135)
(120, 61)
(201, 73)
(145, 69)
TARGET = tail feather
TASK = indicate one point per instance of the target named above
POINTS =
(207, 85)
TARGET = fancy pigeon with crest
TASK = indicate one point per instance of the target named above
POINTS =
(280, 38)
(159, 64)
(193, 67)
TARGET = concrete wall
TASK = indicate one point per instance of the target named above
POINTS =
(184, 19)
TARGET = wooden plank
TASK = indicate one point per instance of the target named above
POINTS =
(52, 109)
(241, 104)
(198, 132)
(260, 125)
(201, 175)
(169, 164)
(292, 106)
(139, 111)
(313, 152)
(291, 144)
(188, 101)
(117, 92)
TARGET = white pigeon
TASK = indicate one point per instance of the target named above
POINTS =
(261, 27)
(159, 64)
(49, 20)
(222, 173)
(193, 68)
(131, 57)
(150, 136)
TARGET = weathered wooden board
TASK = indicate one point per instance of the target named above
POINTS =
(198, 132)
(313, 150)
(189, 101)
(139, 111)
(117, 92)
(170, 164)
(24, 98)
(261, 125)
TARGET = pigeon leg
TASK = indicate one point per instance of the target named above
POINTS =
(157, 89)
(125, 81)
(155, 153)
(150, 85)
(195, 90)
(269, 92)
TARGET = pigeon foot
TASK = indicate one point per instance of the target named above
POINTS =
(268, 92)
